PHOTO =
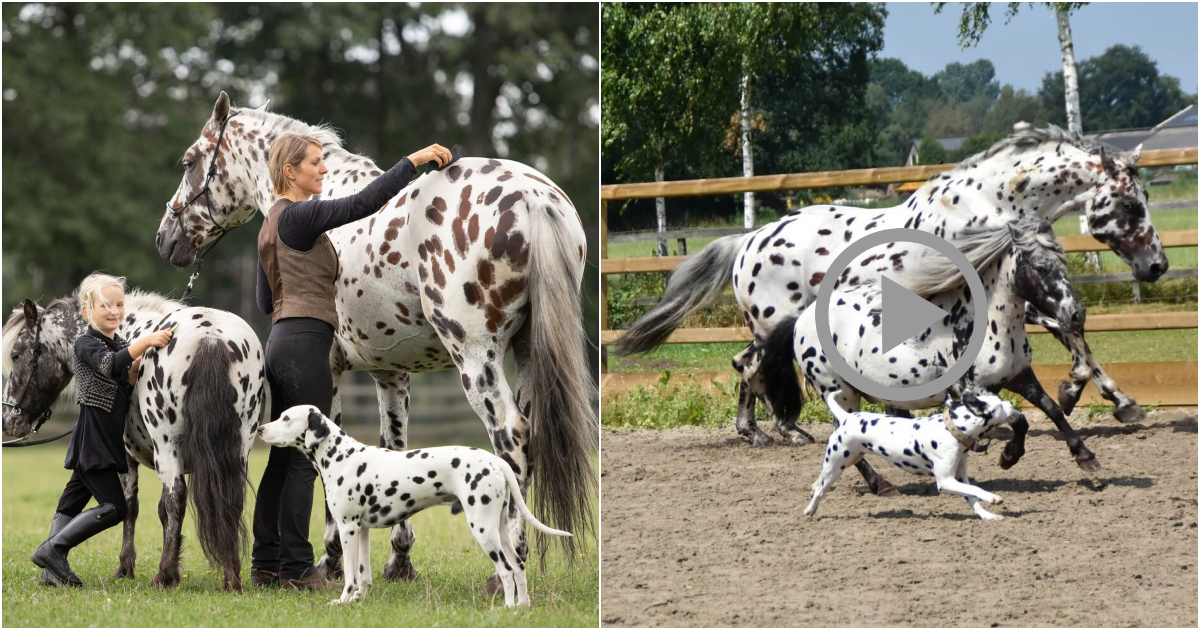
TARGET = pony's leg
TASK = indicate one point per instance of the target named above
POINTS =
(1125, 409)
(1015, 449)
(746, 363)
(171, 509)
(331, 559)
(129, 484)
(1071, 389)
(391, 389)
(1027, 386)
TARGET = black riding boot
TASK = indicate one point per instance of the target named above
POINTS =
(52, 554)
(60, 521)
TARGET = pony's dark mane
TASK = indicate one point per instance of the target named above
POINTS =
(1030, 138)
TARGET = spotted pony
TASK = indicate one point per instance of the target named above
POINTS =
(776, 270)
(461, 265)
(195, 410)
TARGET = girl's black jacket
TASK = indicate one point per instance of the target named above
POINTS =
(103, 391)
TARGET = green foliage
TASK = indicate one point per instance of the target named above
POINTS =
(1119, 89)
(673, 404)
(960, 83)
(975, 144)
(932, 151)
(976, 18)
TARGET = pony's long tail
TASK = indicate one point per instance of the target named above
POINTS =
(694, 284)
(514, 493)
(211, 448)
(563, 419)
(780, 382)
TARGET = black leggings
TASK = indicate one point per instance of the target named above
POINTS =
(298, 374)
(104, 484)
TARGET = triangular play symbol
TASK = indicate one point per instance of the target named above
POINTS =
(905, 314)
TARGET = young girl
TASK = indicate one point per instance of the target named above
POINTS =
(106, 368)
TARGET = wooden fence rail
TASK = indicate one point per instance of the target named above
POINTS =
(1170, 383)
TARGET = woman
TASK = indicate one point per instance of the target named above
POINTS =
(297, 267)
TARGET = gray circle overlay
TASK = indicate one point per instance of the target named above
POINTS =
(866, 385)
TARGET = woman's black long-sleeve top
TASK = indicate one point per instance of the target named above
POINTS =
(302, 222)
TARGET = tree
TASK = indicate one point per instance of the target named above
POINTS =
(960, 83)
(932, 151)
(1011, 107)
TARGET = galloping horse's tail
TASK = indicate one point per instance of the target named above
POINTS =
(695, 283)
(781, 384)
(211, 449)
(563, 422)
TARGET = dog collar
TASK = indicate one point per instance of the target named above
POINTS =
(962, 438)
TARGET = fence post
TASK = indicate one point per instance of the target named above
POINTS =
(603, 283)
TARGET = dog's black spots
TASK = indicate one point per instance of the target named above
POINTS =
(411, 454)
(424, 455)
(362, 499)
(933, 443)
(410, 503)
(493, 556)
(404, 497)
(206, 323)
(418, 480)
(471, 499)
(485, 499)
(370, 489)
(374, 509)
(432, 474)
(454, 462)
(384, 510)
(362, 468)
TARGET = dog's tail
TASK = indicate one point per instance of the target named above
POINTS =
(839, 415)
(211, 450)
(514, 494)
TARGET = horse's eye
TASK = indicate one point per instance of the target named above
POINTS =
(187, 165)
(15, 356)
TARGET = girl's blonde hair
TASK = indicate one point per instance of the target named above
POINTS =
(288, 149)
(90, 293)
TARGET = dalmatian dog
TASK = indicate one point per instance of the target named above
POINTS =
(369, 487)
(935, 445)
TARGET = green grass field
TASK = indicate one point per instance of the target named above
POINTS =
(452, 566)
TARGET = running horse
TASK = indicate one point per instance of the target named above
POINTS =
(467, 261)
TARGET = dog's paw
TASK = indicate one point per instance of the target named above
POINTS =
(335, 602)
(988, 516)
(996, 500)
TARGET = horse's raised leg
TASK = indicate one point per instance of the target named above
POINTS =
(1027, 386)
(129, 484)
(330, 561)
(171, 509)
(391, 389)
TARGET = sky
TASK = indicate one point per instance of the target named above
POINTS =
(1027, 48)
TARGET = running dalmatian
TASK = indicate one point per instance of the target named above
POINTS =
(934, 445)
(384, 487)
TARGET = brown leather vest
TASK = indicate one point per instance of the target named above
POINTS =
(302, 283)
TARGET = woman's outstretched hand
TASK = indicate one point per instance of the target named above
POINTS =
(435, 153)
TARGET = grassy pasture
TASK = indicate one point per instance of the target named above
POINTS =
(453, 570)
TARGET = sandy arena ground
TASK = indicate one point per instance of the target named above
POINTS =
(701, 530)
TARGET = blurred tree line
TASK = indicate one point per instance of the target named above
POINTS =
(671, 87)
(101, 100)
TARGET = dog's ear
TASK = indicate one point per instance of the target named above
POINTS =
(316, 424)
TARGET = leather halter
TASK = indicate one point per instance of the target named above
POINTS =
(37, 351)
(175, 214)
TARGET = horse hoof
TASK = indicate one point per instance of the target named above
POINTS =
(165, 580)
(799, 437)
(404, 573)
(760, 439)
(493, 586)
(1008, 460)
(1068, 396)
(331, 567)
(1089, 464)
(123, 573)
(886, 489)
(234, 586)
(1130, 413)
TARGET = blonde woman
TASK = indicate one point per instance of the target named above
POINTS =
(106, 368)
(297, 266)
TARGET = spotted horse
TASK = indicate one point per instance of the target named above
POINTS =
(1019, 263)
(195, 411)
(461, 265)
(776, 270)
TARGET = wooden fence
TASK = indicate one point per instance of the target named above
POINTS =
(1148, 382)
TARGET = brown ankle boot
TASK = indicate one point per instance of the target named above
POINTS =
(314, 580)
(263, 577)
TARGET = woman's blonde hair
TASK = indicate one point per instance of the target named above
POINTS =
(90, 293)
(288, 149)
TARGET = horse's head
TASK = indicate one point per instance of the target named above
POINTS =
(36, 364)
(217, 192)
(1040, 274)
(1118, 215)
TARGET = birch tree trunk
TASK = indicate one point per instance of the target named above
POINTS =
(1071, 85)
(747, 154)
(660, 211)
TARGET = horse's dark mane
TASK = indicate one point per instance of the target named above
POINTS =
(1029, 138)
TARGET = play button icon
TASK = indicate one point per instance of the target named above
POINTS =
(905, 314)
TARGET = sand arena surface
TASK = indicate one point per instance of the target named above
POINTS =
(699, 529)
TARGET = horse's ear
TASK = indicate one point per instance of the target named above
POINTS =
(221, 109)
(1136, 154)
(30, 313)
(1107, 162)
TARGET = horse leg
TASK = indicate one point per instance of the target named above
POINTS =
(1069, 390)
(791, 432)
(1027, 386)
(128, 558)
(330, 561)
(850, 400)
(391, 389)
(746, 364)
(1125, 408)
(171, 509)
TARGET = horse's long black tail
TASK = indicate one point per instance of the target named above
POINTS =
(781, 384)
(211, 449)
